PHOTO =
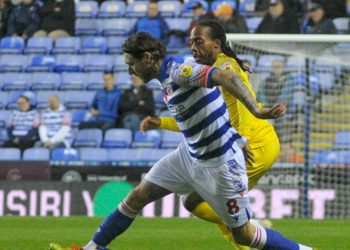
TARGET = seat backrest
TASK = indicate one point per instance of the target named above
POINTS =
(36, 154)
(342, 24)
(10, 154)
(64, 154)
(93, 154)
(69, 44)
(40, 78)
(91, 137)
(12, 44)
(69, 63)
(5, 116)
(151, 138)
(117, 138)
(136, 9)
(169, 8)
(40, 42)
(94, 42)
(86, 9)
(342, 140)
(122, 154)
(178, 23)
(98, 63)
(112, 9)
(253, 23)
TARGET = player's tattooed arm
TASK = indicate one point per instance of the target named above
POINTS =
(234, 85)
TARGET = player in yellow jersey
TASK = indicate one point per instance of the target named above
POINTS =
(209, 46)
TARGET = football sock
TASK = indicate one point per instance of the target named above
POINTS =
(228, 236)
(114, 224)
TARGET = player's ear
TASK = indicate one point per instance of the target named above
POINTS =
(217, 43)
(147, 57)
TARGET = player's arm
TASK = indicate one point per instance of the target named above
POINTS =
(153, 122)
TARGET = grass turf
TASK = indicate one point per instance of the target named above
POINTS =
(28, 233)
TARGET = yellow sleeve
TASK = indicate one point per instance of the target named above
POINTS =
(169, 123)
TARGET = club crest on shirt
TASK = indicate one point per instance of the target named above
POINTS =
(169, 90)
(228, 66)
(186, 71)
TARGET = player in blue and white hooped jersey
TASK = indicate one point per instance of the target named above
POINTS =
(210, 160)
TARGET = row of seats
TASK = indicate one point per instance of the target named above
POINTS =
(84, 154)
(331, 157)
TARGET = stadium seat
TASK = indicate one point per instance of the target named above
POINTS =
(253, 23)
(3, 135)
(341, 24)
(295, 63)
(169, 8)
(3, 97)
(67, 45)
(45, 81)
(93, 45)
(5, 116)
(12, 45)
(73, 81)
(13, 63)
(178, 23)
(78, 116)
(12, 98)
(247, 8)
(215, 4)
(39, 45)
(93, 154)
(86, 9)
(117, 138)
(71, 63)
(110, 9)
(41, 63)
(98, 63)
(78, 99)
(122, 154)
(122, 80)
(94, 81)
(342, 141)
(150, 139)
(42, 98)
(114, 44)
(171, 139)
(119, 64)
(64, 154)
(86, 27)
(36, 154)
(136, 9)
(16, 81)
(326, 80)
(10, 154)
(91, 137)
(331, 157)
(115, 26)
(265, 61)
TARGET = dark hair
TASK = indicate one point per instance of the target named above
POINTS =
(108, 72)
(25, 98)
(142, 42)
(218, 32)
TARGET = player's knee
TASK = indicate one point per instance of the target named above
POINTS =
(191, 201)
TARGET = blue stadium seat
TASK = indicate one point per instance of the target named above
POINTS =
(136, 9)
(186, 11)
(178, 23)
(341, 24)
(98, 63)
(3, 135)
(93, 45)
(36, 154)
(67, 45)
(110, 9)
(326, 80)
(5, 116)
(169, 8)
(324, 64)
(253, 23)
(39, 45)
(12, 45)
(215, 5)
(78, 99)
(342, 141)
(64, 154)
(78, 116)
(265, 61)
(41, 63)
(122, 154)
(119, 64)
(86, 9)
(150, 139)
(148, 154)
(93, 154)
(117, 138)
(3, 98)
(13, 63)
(158, 99)
(94, 81)
(73, 81)
(91, 137)
(331, 157)
(45, 81)
(250, 58)
(12, 98)
(114, 44)
(295, 63)
(16, 81)
(122, 80)
(86, 27)
(247, 8)
(10, 154)
(70, 63)
(115, 26)
(171, 139)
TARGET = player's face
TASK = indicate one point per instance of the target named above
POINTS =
(146, 68)
(204, 49)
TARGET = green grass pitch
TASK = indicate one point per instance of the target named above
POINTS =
(25, 233)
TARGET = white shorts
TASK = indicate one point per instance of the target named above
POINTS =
(224, 187)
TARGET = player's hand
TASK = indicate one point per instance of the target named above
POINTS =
(149, 123)
(276, 111)
(248, 154)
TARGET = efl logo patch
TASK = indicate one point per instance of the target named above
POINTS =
(229, 66)
(186, 71)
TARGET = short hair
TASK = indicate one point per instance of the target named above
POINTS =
(108, 72)
(141, 42)
(24, 97)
